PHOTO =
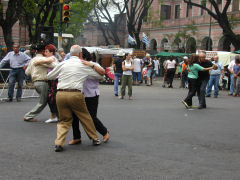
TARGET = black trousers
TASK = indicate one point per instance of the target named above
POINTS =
(170, 75)
(92, 106)
(192, 85)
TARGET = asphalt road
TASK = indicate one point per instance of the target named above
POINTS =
(153, 137)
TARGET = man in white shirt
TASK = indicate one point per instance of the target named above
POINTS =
(71, 75)
(137, 70)
(156, 67)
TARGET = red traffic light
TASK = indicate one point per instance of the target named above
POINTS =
(66, 7)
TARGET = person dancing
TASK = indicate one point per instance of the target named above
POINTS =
(91, 93)
(193, 68)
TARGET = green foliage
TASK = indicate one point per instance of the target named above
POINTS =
(79, 11)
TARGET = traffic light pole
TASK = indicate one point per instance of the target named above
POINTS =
(60, 25)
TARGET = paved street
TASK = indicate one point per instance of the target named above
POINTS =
(153, 137)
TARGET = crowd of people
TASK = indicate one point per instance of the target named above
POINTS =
(68, 83)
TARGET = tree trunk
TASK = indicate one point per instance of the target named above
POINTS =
(7, 33)
(228, 32)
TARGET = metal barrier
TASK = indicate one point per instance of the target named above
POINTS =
(28, 92)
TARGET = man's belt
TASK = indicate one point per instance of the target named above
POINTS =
(70, 90)
(17, 68)
(41, 81)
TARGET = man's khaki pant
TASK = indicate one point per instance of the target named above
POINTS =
(68, 103)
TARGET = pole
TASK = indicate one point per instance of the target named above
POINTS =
(210, 29)
(60, 25)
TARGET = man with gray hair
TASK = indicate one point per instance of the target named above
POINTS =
(18, 62)
(71, 75)
(215, 75)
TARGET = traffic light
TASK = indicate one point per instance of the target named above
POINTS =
(65, 13)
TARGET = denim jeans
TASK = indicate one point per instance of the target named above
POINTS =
(116, 81)
(232, 84)
(201, 91)
(16, 75)
(213, 81)
(184, 81)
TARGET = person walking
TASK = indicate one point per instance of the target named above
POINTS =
(236, 70)
(184, 72)
(230, 68)
(193, 68)
(137, 70)
(91, 93)
(127, 66)
(215, 76)
(203, 78)
(156, 67)
(18, 62)
(71, 75)
(117, 68)
(171, 69)
(39, 79)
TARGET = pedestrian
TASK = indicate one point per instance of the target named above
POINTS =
(18, 62)
(148, 63)
(184, 72)
(236, 70)
(117, 68)
(91, 93)
(156, 67)
(194, 68)
(171, 69)
(230, 68)
(215, 76)
(39, 79)
(71, 74)
(203, 78)
(137, 70)
(127, 66)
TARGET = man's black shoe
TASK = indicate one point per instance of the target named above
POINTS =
(116, 94)
(58, 148)
(96, 142)
(8, 100)
(201, 107)
(208, 95)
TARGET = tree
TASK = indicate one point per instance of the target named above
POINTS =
(136, 11)
(36, 13)
(11, 17)
(221, 16)
(109, 25)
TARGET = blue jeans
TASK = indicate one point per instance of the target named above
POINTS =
(116, 81)
(201, 91)
(16, 75)
(184, 81)
(232, 84)
(213, 81)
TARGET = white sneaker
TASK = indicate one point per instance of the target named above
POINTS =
(52, 120)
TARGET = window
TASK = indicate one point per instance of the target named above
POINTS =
(165, 12)
(189, 8)
(177, 11)
(235, 5)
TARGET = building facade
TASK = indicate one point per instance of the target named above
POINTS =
(176, 16)
(19, 31)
